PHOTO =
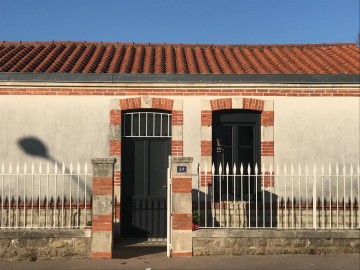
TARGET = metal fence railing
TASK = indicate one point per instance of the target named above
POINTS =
(50, 197)
(284, 198)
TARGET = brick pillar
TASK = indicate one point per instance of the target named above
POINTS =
(103, 209)
(181, 206)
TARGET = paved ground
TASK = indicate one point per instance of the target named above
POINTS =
(154, 259)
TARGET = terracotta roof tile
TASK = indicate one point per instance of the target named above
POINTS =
(138, 60)
(201, 60)
(115, 64)
(149, 60)
(254, 62)
(60, 57)
(92, 57)
(191, 61)
(159, 67)
(107, 56)
(233, 62)
(128, 59)
(180, 58)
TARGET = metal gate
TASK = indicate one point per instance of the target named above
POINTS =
(169, 209)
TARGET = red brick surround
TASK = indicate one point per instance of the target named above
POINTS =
(116, 109)
(267, 121)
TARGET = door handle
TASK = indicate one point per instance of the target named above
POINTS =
(164, 186)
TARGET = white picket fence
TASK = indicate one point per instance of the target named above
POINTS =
(50, 197)
(284, 198)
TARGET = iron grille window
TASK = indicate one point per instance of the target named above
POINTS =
(147, 124)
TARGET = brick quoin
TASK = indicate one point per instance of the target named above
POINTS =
(177, 118)
(267, 180)
(102, 223)
(206, 180)
(177, 92)
(177, 148)
(117, 210)
(115, 117)
(267, 148)
(117, 178)
(115, 147)
(102, 186)
(181, 185)
(206, 118)
(181, 221)
(267, 118)
(206, 148)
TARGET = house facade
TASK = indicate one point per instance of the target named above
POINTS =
(256, 105)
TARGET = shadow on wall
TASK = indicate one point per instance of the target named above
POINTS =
(35, 147)
(260, 210)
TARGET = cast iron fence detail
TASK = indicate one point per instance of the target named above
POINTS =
(49, 197)
(284, 198)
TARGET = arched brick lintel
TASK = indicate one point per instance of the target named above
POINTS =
(237, 103)
(146, 102)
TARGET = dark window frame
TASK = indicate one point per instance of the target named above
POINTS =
(234, 119)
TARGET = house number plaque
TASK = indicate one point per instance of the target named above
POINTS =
(181, 169)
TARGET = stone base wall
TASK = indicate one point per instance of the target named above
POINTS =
(265, 242)
(236, 214)
(51, 217)
(31, 245)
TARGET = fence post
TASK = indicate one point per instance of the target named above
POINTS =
(314, 200)
(181, 206)
(103, 208)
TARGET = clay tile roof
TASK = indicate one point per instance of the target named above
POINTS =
(92, 57)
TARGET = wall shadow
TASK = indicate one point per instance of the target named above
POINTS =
(135, 248)
(35, 147)
(260, 210)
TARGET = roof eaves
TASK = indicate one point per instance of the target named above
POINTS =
(177, 78)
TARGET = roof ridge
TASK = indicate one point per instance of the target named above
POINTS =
(177, 44)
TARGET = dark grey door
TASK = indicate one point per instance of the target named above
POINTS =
(143, 186)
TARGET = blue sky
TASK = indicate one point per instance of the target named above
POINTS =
(181, 21)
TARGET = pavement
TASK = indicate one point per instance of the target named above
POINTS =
(154, 257)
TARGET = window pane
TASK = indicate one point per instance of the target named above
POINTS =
(150, 124)
(142, 124)
(223, 136)
(135, 124)
(245, 157)
(245, 135)
(157, 124)
(127, 125)
(147, 124)
(165, 125)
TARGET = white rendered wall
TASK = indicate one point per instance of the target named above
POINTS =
(309, 129)
(317, 130)
(71, 128)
